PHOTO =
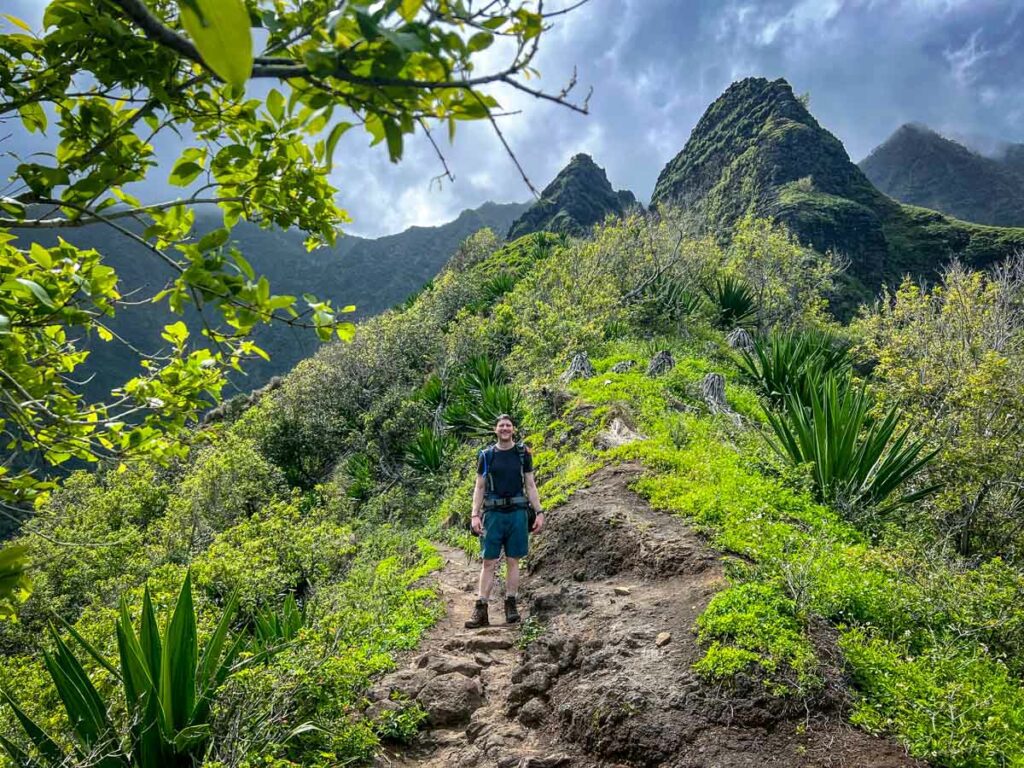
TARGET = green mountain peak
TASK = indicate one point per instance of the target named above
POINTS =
(578, 197)
(758, 150)
(918, 166)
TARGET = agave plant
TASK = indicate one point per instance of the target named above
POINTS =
(274, 629)
(669, 299)
(429, 451)
(792, 363)
(733, 300)
(483, 372)
(168, 688)
(856, 461)
(498, 286)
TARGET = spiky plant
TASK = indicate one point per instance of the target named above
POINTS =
(168, 688)
(665, 298)
(429, 451)
(275, 629)
(791, 362)
(857, 461)
(733, 300)
(498, 286)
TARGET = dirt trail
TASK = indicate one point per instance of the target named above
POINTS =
(615, 589)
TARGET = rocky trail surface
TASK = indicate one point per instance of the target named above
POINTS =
(613, 592)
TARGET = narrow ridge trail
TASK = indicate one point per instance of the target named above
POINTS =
(613, 591)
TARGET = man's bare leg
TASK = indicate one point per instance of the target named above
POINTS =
(511, 576)
(487, 570)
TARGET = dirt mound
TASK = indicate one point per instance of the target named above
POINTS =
(614, 590)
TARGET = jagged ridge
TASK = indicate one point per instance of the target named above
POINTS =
(758, 150)
(578, 197)
(920, 167)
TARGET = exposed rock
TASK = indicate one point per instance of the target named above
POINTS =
(579, 368)
(660, 363)
(450, 699)
(712, 389)
(442, 664)
(617, 434)
(623, 366)
(739, 338)
(534, 712)
(622, 591)
(407, 683)
(484, 641)
(663, 639)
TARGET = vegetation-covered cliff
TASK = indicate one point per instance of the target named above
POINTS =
(372, 274)
(920, 167)
(758, 150)
(578, 197)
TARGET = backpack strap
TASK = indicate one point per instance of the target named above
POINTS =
(488, 455)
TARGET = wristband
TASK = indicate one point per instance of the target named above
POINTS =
(476, 515)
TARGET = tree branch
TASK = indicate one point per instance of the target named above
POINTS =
(90, 217)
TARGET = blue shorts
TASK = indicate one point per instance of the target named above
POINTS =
(505, 529)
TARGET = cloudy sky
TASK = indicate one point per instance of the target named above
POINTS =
(655, 65)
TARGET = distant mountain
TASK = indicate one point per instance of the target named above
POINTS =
(918, 166)
(373, 274)
(757, 149)
(579, 197)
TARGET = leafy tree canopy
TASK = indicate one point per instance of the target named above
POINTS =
(100, 81)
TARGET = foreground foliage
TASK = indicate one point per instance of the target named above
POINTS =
(333, 508)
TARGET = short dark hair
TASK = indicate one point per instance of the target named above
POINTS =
(502, 417)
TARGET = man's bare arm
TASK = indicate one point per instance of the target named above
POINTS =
(478, 504)
(534, 497)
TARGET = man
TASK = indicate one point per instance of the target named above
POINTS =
(504, 487)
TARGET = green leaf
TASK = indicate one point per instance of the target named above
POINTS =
(40, 739)
(275, 104)
(37, 290)
(178, 662)
(17, 22)
(14, 581)
(479, 42)
(220, 30)
(214, 239)
(332, 141)
(393, 133)
(184, 173)
(33, 116)
(410, 8)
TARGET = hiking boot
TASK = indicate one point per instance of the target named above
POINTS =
(511, 612)
(479, 617)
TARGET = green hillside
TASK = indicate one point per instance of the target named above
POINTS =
(576, 199)
(758, 150)
(372, 274)
(839, 600)
(919, 167)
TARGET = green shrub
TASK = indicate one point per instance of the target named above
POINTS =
(792, 362)
(168, 689)
(733, 301)
(855, 460)
(429, 452)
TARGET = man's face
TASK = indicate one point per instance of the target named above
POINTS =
(504, 430)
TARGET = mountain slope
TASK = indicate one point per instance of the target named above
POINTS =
(373, 274)
(920, 167)
(757, 150)
(578, 197)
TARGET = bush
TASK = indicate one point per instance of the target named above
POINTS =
(791, 362)
(855, 460)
